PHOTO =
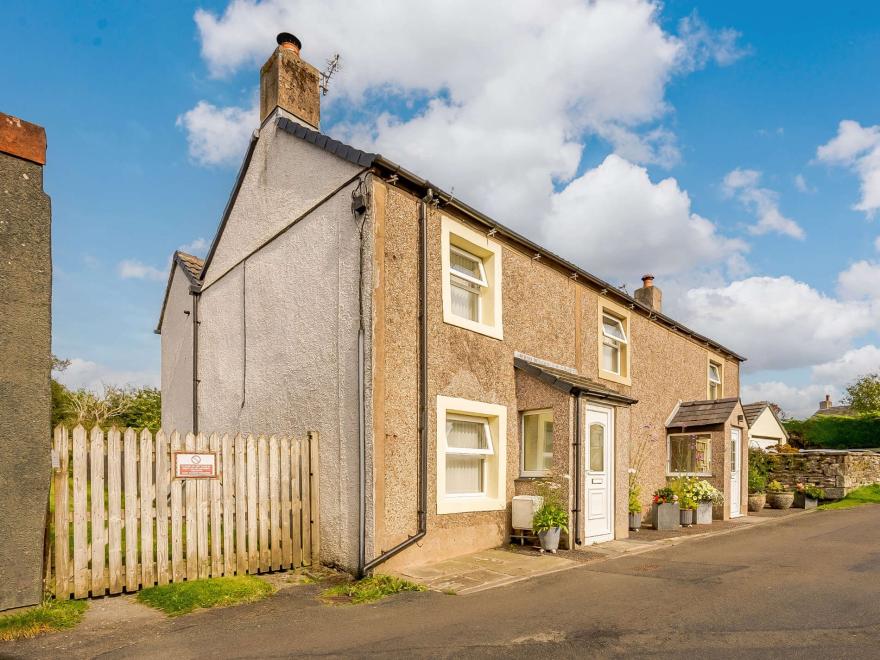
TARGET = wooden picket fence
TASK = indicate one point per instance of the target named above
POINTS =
(134, 525)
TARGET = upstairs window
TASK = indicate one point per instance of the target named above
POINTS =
(714, 380)
(471, 263)
(467, 282)
(537, 443)
(614, 345)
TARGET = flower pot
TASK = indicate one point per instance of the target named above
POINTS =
(666, 516)
(635, 520)
(757, 501)
(780, 500)
(687, 516)
(550, 539)
(704, 513)
(802, 501)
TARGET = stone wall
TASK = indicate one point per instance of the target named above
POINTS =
(838, 472)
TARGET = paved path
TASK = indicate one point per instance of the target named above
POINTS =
(808, 587)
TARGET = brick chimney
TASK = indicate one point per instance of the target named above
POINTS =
(649, 294)
(826, 404)
(290, 83)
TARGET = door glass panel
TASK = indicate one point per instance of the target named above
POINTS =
(597, 448)
(734, 459)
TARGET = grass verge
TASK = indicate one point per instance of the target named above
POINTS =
(50, 616)
(185, 597)
(368, 590)
(863, 495)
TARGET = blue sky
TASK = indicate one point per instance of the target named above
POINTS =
(715, 110)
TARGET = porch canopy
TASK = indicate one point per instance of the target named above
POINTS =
(571, 383)
(691, 414)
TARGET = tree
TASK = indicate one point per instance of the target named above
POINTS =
(863, 396)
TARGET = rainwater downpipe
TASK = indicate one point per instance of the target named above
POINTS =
(195, 359)
(577, 468)
(423, 396)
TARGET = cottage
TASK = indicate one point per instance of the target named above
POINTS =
(827, 407)
(447, 362)
(765, 427)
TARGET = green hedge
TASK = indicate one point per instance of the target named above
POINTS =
(836, 432)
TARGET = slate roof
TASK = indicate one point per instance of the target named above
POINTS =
(570, 383)
(191, 264)
(845, 411)
(753, 410)
(702, 413)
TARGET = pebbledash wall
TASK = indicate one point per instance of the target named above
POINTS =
(837, 471)
(547, 315)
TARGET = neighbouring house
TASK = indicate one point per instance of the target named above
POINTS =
(827, 407)
(447, 362)
(765, 427)
(25, 359)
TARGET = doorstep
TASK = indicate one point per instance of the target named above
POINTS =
(483, 570)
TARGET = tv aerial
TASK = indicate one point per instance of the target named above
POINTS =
(333, 66)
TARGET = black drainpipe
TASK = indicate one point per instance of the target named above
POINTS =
(423, 394)
(195, 358)
(577, 468)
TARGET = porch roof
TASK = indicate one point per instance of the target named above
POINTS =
(702, 413)
(570, 383)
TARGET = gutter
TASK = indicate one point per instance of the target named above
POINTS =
(422, 529)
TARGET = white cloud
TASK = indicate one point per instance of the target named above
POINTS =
(218, 136)
(801, 184)
(860, 281)
(616, 222)
(858, 148)
(198, 247)
(506, 100)
(132, 269)
(93, 376)
(763, 202)
(796, 401)
(777, 322)
(849, 366)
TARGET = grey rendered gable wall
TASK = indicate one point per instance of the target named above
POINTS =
(177, 355)
(285, 178)
(278, 338)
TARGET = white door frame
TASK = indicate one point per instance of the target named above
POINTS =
(609, 469)
(736, 462)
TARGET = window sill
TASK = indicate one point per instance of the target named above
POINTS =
(614, 378)
(474, 326)
(469, 504)
(532, 477)
(677, 475)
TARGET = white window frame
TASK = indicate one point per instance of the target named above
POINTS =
(481, 282)
(494, 495)
(457, 237)
(522, 443)
(614, 342)
(718, 363)
(707, 437)
(465, 451)
(623, 317)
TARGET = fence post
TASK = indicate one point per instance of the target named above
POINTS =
(314, 478)
(62, 531)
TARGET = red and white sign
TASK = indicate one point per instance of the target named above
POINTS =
(195, 465)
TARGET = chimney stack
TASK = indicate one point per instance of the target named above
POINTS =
(290, 83)
(826, 404)
(649, 294)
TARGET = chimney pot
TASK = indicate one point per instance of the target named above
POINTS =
(649, 295)
(290, 83)
(289, 41)
(647, 280)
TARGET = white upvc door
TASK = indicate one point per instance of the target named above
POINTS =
(735, 494)
(599, 473)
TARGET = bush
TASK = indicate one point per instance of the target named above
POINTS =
(836, 432)
(757, 482)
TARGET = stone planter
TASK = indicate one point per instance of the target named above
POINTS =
(550, 539)
(635, 520)
(801, 501)
(687, 516)
(757, 501)
(666, 516)
(780, 500)
(704, 513)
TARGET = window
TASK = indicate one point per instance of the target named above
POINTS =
(614, 343)
(471, 451)
(689, 454)
(467, 282)
(537, 443)
(715, 389)
(597, 448)
(471, 265)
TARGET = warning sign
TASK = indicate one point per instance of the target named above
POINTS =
(195, 465)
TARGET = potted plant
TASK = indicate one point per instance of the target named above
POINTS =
(635, 504)
(757, 486)
(551, 518)
(665, 510)
(807, 496)
(706, 496)
(778, 496)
